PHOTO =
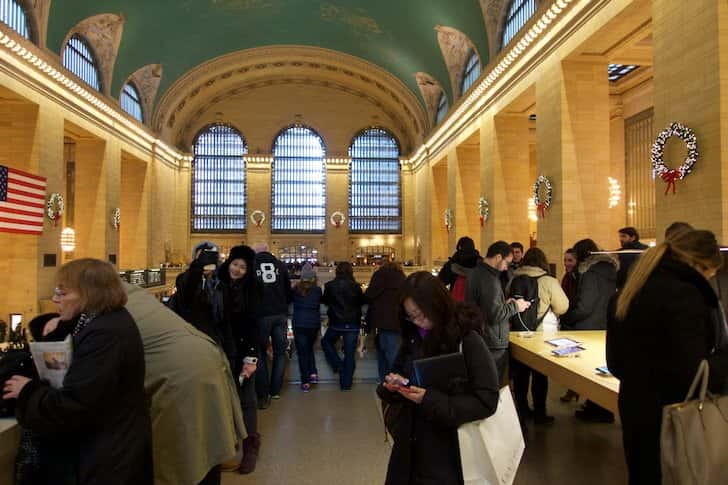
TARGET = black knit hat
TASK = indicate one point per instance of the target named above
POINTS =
(241, 252)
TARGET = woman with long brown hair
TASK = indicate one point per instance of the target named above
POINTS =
(424, 427)
(667, 320)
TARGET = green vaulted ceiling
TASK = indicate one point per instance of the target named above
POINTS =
(397, 35)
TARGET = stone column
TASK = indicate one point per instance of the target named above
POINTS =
(466, 165)
(690, 48)
(337, 199)
(573, 151)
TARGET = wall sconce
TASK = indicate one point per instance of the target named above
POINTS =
(68, 240)
(532, 215)
(615, 192)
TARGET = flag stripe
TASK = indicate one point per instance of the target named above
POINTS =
(34, 232)
(24, 193)
(21, 209)
(16, 219)
(21, 199)
(30, 229)
(33, 178)
(33, 189)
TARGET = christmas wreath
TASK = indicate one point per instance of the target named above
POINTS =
(542, 205)
(337, 219)
(672, 175)
(55, 207)
(448, 219)
(257, 217)
(483, 210)
(116, 218)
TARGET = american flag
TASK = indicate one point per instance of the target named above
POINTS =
(22, 201)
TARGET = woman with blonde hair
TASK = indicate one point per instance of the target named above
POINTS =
(666, 321)
(101, 408)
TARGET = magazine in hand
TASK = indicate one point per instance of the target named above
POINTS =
(52, 359)
(440, 371)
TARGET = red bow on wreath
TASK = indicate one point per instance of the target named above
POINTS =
(670, 177)
(541, 208)
(482, 221)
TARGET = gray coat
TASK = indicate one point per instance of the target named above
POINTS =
(483, 288)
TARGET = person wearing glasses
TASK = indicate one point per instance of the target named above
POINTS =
(424, 421)
(101, 409)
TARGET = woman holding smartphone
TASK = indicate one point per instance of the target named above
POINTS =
(239, 289)
(424, 422)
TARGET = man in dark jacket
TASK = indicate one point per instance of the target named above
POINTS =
(272, 314)
(629, 239)
(466, 256)
(383, 297)
(484, 289)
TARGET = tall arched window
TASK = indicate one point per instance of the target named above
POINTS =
(78, 59)
(131, 101)
(12, 13)
(442, 107)
(299, 181)
(218, 180)
(374, 183)
(471, 72)
(519, 12)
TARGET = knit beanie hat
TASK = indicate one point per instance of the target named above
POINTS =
(241, 252)
(307, 272)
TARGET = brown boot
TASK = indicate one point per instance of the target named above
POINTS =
(251, 446)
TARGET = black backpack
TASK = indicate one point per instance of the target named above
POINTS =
(526, 287)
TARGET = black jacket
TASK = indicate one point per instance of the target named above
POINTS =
(383, 297)
(626, 260)
(596, 285)
(672, 324)
(344, 299)
(426, 450)
(465, 259)
(483, 288)
(239, 300)
(101, 404)
(273, 279)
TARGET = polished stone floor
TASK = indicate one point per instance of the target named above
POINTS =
(331, 437)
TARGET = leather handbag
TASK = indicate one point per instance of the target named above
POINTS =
(694, 437)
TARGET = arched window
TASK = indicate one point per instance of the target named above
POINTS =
(442, 107)
(131, 101)
(13, 14)
(374, 183)
(218, 180)
(299, 181)
(519, 12)
(471, 73)
(78, 59)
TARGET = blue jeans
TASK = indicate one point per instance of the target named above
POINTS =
(345, 367)
(275, 328)
(305, 338)
(387, 345)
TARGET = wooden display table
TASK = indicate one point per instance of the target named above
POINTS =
(575, 373)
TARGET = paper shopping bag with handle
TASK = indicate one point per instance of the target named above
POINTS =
(491, 448)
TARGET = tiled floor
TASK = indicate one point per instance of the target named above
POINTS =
(329, 437)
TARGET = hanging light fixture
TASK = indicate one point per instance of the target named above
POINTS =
(68, 240)
(615, 192)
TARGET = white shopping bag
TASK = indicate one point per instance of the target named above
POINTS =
(491, 449)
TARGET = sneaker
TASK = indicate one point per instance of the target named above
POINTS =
(306, 387)
(276, 396)
(314, 378)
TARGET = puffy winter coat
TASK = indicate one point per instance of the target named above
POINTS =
(596, 285)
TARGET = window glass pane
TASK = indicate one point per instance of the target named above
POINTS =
(131, 102)
(14, 16)
(442, 107)
(472, 72)
(218, 180)
(78, 59)
(618, 71)
(299, 181)
(374, 183)
(519, 12)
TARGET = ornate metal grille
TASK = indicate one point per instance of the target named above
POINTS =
(13, 14)
(519, 12)
(618, 71)
(131, 101)
(78, 59)
(219, 180)
(374, 183)
(299, 181)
